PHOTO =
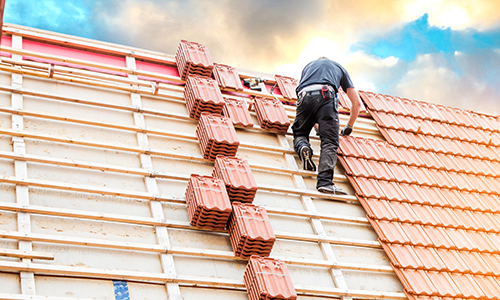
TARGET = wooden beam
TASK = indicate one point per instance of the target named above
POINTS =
(26, 254)
(184, 280)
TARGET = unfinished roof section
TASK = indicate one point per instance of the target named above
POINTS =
(431, 193)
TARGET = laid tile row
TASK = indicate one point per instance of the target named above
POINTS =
(437, 128)
(421, 176)
(385, 152)
(440, 145)
(429, 111)
(436, 237)
(443, 260)
(444, 284)
(425, 195)
(448, 217)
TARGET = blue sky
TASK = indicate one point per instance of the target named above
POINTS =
(430, 50)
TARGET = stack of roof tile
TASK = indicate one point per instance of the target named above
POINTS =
(271, 114)
(227, 77)
(431, 194)
(268, 278)
(238, 177)
(193, 58)
(250, 230)
(216, 135)
(202, 95)
(237, 111)
(287, 86)
(207, 202)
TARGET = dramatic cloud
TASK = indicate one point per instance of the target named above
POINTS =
(440, 51)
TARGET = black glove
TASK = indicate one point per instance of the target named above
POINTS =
(347, 130)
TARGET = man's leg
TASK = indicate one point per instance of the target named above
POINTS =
(304, 121)
(328, 121)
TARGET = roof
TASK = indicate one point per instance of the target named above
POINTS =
(431, 193)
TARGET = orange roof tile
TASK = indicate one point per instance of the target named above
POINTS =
(287, 86)
(431, 194)
(237, 111)
(227, 77)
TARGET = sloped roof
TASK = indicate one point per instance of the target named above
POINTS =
(431, 192)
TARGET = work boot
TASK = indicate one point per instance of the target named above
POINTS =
(331, 189)
(306, 154)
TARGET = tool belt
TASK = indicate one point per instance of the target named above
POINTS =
(327, 91)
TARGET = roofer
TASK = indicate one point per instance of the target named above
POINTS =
(318, 103)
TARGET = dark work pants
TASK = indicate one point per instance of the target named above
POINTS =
(312, 109)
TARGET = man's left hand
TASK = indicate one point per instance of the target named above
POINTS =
(347, 130)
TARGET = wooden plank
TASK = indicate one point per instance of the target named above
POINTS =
(4, 296)
(26, 254)
(184, 280)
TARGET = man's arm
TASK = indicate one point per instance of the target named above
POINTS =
(352, 93)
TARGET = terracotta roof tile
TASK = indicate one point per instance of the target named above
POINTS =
(461, 239)
(237, 111)
(426, 215)
(250, 230)
(404, 212)
(380, 170)
(444, 284)
(375, 101)
(390, 232)
(452, 260)
(439, 237)
(391, 190)
(287, 86)
(467, 285)
(227, 77)
(370, 149)
(266, 277)
(411, 157)
(416, 234)
(237, 176)
(402, 256)
(433, 189)
(430, 258)
(366, 187)
(416, 282)
(431, 111)
(489, 285)
(446, 216)
(216, 135)
(475, 263)
(346, 103)
(271, 114)
(378, 209)
(193, 58)
(207, 201)
(202, 95)
(357, 167)
(492, 262)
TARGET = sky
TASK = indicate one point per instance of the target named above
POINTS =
(440, 51)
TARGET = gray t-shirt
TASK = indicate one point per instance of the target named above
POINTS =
(325, 71)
